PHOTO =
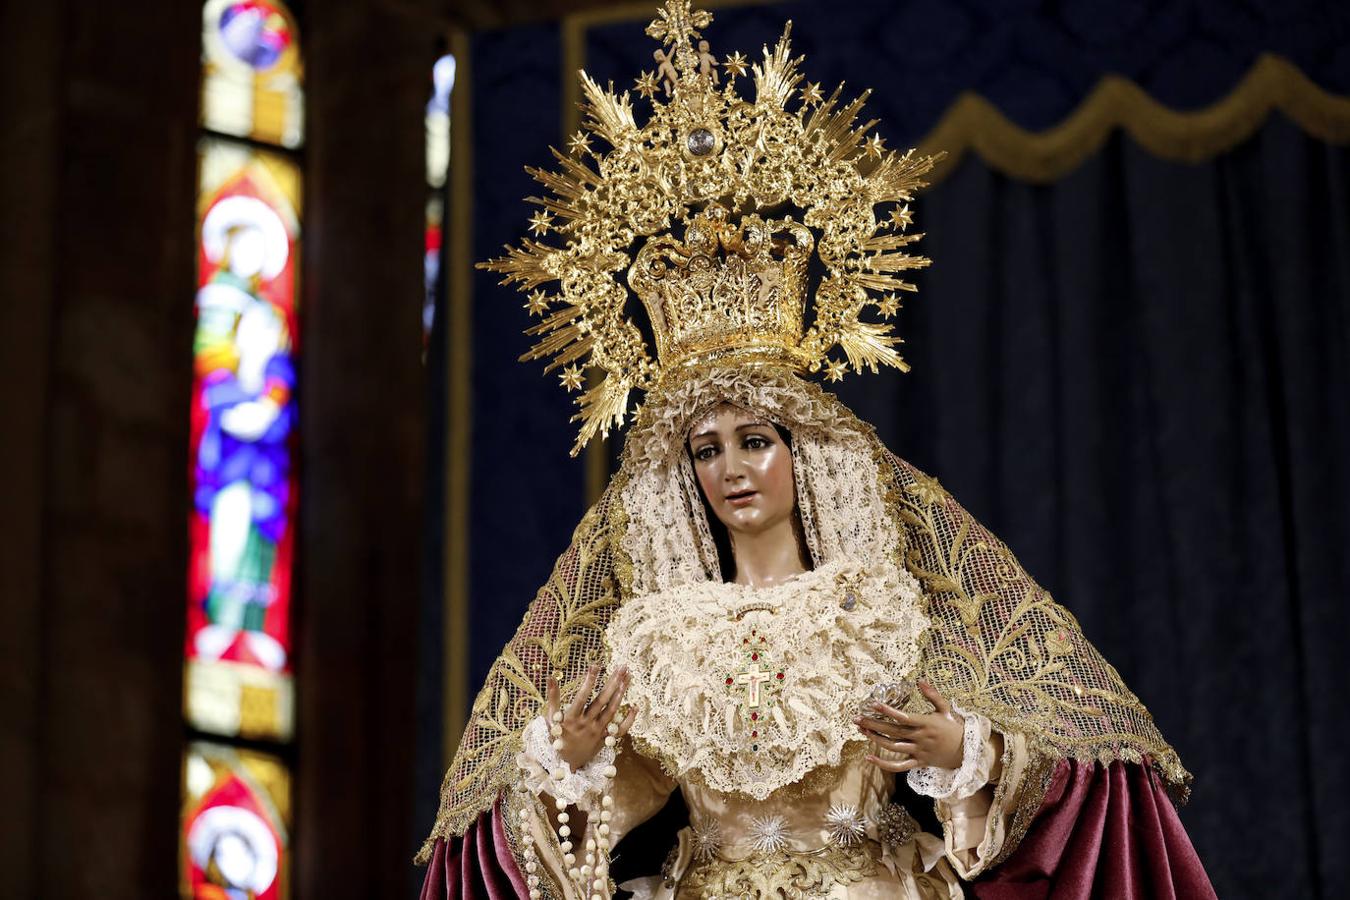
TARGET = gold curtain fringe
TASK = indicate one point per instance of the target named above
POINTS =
(972, 123)
(1273, 83)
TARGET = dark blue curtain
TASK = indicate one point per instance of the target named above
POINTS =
(1137, 376)
(527, 494)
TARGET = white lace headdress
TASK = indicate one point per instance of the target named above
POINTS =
(839, 491)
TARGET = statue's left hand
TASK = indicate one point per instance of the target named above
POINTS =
(934, 739)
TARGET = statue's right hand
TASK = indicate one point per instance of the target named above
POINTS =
(584, 725)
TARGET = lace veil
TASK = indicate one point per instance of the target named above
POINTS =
(998, 643)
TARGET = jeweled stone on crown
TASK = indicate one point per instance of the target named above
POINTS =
(701, 142)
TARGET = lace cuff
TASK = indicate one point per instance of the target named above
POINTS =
(546, 772)
(977, 759)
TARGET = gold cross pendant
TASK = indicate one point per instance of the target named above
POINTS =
(757, 684)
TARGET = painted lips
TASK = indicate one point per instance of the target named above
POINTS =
(742, 498)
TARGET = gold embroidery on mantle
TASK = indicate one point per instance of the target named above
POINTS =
(561, 632)
(1002, 647)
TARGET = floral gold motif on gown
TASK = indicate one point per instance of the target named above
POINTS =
(781, 873)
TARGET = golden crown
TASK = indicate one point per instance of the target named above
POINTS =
(733, 289)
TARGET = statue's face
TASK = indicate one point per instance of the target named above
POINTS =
(744, 468)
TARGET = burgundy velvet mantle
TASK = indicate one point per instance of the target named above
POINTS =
(1102, 832)
(476, 866)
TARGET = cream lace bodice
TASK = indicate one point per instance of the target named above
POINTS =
(753, 688)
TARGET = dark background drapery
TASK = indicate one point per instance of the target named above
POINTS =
(1135, 374)
(1135, 377)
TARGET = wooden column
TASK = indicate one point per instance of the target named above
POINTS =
(97, 169)
(98, 183)
(363, 423)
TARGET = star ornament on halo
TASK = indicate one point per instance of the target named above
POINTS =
(812, 94)
(874, 146)
(736, 64)
(537, 303)
(900, 217)
(571, 377)
(647, 85)
(579, 142)
(541, 222)
(834, 370)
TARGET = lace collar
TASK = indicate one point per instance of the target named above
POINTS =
(754, 687)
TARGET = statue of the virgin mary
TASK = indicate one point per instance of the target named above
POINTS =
(840, 683)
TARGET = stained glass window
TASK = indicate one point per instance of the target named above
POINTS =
(431, 266)
(239, 649)
(251, 71)
(438, 163)
(438, 120)
(236, 824)
(243, 438)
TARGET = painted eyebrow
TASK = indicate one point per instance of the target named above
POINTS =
(738, 428)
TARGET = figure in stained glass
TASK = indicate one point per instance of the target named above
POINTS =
(242, 468)
(234, 836)
(251, 72)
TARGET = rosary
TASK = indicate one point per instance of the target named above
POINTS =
(592, 876)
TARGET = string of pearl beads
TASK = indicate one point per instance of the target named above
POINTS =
(592, 876)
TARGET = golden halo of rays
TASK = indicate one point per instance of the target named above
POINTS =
(780, 142)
